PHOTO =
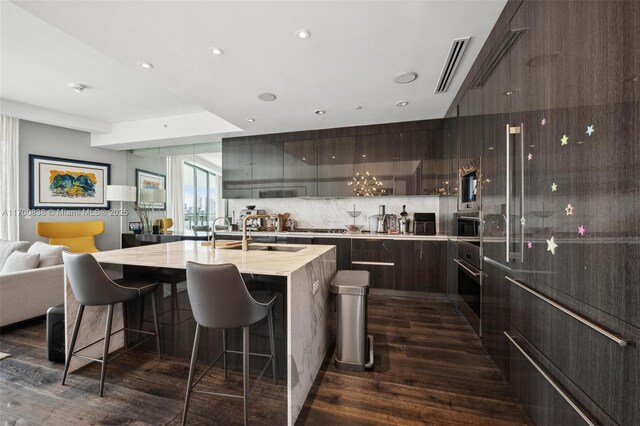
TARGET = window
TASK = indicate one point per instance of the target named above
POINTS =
(201, 196)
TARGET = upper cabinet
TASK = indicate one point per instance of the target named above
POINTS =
(335, 166)
(393, 159)
(300, 168)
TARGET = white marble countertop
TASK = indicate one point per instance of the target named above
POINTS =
(366, 235)
(176, 254)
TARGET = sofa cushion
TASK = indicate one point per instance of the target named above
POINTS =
(8, 247)
(20, 261)
(49, 255)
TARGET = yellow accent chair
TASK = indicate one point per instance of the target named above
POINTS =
(79, 237)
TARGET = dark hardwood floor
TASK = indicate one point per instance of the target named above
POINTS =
(429, 369)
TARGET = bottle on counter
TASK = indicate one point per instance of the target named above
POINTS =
(403, 222)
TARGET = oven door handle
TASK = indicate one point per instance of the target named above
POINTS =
(463, 265)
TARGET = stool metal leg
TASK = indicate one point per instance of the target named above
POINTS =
(192, 370)
(245, 372)
(74, 337)
(224, 351)
(107, 338)
(273, 345)
(154, 307)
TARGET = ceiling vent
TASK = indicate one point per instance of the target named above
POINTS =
(451, 64)
(502, 49)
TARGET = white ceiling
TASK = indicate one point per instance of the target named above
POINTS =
(355, 50)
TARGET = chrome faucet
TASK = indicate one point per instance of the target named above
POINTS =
(213, 229)
(245, 244)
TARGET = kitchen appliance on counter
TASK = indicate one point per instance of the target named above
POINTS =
(253, 224)
(404, 222)
(424, 223)
(382, 220)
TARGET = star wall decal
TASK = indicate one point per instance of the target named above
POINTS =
(564, 140)
(569, 210)
(530, 157)
(543, 121)
(590, 130)
(554, 187)
(522, 221)
(581, 230)
(551, 246)
(529, 244)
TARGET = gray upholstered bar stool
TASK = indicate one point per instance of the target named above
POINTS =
(220, 299)
(92, 287)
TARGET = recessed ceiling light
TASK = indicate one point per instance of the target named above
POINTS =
(78, 88)
(267, 97)
(303, 34)
(216, 51)
(402, 103)
(249, 119)
(145, 65)
(405, 77)
(320, 111)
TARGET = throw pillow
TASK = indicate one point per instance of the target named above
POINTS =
(8, 247)
(19, 261)
(49, 255)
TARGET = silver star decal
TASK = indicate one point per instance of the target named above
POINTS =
(551, 246)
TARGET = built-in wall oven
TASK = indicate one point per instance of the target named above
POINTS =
(470, 269)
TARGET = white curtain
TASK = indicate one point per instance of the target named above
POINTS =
(9, 178)
(175, 190)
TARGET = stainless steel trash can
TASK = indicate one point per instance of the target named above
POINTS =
(354, 348)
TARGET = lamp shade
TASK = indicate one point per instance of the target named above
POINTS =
(152, 195)
(121, 193)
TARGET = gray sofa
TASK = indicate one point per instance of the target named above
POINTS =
(28, 293)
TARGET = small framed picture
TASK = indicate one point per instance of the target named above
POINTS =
(146, 181)
(63, 183)
(135, 227)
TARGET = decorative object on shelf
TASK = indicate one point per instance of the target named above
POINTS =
(62, 183)
(143, 214)
(121, 193)
(365, 185)
(151, 189)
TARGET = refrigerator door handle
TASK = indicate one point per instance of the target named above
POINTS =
(508, 196)
(522, 222)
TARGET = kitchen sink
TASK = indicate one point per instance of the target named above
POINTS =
(288, 249)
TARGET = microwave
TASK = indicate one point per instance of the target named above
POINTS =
(469, 187)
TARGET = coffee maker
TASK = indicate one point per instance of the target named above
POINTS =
(253, 224)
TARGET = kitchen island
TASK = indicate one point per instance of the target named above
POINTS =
(305, 270)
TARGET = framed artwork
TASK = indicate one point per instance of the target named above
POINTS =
(62, 183)
(148, 180)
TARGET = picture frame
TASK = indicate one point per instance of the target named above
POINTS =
(64, 183)
(150, 180)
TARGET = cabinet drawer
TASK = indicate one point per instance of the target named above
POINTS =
(380, 276)
(605, 371)
(548, 396)
(365, 250)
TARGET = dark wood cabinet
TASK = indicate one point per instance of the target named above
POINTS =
(377, 257)
(300, 168)
(420, 266)
(336, 166)
(343, 250)
(267, 170)
(495, 314)
(374, 162)
(236, 170)
(408, 158)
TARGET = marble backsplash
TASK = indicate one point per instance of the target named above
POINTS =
(332, 212)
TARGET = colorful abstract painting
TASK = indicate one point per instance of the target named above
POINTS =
(61, 183)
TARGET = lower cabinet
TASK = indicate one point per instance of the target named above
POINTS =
(420, 266)
(343, 250)
(377, 257)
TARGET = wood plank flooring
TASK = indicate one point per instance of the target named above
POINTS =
(429, 369)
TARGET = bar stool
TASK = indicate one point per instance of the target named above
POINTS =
(220, 299)
(92, 287)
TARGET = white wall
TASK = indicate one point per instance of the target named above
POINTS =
(43, 139)
(332, 212)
